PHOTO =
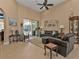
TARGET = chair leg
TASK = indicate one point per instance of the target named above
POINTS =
(9, 41)
(24, 40)
(50, 53)
(45, 50)
(57, 51)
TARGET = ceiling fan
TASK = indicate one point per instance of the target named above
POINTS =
(45, 4)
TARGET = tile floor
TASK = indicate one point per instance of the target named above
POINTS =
(28, 50)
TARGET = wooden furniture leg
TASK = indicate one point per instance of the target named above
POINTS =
(50, 53)
(45, 50)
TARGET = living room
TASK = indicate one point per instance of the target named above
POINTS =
(50, 24)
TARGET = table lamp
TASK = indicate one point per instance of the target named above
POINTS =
(61, 28)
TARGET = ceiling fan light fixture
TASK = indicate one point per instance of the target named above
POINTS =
(45, 4)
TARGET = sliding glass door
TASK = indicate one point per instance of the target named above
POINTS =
(30, 27)
(35, 25)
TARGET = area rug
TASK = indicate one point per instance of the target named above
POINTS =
(37, 41)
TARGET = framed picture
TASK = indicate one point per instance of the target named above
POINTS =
(12, 22)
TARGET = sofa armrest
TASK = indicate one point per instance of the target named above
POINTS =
(59, 42)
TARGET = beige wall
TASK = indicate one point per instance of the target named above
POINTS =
(13, 10)
(62, 13)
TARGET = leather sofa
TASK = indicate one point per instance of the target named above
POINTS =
(49, 33)
(65, 46)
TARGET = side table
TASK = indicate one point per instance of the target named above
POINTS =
(51, 47)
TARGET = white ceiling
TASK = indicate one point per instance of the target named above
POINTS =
(33, 3)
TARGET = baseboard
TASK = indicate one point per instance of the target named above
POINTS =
(6, 43)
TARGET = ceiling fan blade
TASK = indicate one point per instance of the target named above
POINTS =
(45, 1)
(46, 7)
(39, 4)
(41, 7)
(49, 4)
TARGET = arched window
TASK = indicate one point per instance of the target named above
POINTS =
(1, 14)
(1, 19)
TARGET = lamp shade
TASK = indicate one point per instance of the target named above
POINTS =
(61, 26)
